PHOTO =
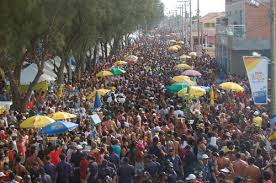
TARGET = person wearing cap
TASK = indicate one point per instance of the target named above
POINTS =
(192, 179)
(207, 169)
(257, 119)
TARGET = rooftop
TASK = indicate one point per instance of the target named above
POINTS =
(211, 17)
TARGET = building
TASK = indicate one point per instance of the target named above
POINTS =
(207, 29)
(244, 29)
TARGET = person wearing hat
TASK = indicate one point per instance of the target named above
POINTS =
(192, 179)
(257, 119)
(207, 169)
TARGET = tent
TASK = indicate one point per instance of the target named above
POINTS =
(28, 74)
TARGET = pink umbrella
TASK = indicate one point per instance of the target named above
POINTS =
(191, 73)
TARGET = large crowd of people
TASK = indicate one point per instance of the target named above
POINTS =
(147, 134)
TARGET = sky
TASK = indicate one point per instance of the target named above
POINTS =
(205, 6)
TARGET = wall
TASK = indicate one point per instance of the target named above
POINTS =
(235, 12)
(257, 21)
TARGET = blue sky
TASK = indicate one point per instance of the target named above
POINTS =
(206, 6)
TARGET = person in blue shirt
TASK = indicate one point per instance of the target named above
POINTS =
(63, 170)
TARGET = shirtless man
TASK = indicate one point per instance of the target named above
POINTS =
(239, 166)
(252, 172)
(224, 162)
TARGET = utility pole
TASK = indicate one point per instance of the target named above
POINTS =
(191, 23)
(182, 23)
(185, 24)
(198, 26)
(183, 3)
(273, 58)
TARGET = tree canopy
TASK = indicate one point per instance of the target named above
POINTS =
(32, 31)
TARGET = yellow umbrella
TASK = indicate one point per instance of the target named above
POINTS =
(194, 91)
(180, 42)
(120, 62)
(104, 74)
(173, 49)
(193, 54)
(185, 56)
(172, 41)
(230, 86)
(37, 121)
(181, 78)
(3, 109)
(184, 79)
(61, 115)
(101, 92)
(178, 47)
(182, 66)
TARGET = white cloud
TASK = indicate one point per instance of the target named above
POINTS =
(206, 6)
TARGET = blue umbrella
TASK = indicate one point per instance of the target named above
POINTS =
(58, 127)
(97, 102)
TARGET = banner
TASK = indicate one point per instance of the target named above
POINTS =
(257, 72)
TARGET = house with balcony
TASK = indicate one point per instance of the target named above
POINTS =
(244, 29)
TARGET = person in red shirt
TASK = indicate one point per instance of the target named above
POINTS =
(83, 168)
(54, 155)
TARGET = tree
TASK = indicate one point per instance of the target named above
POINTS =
(28, 38)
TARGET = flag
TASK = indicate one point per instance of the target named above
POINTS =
(272, 136)
(97, 102)
(60, 91)
(212, 96)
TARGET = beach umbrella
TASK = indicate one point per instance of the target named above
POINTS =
(176, 87)
(117, 71)
(182, 66)
(194, 54)
(178, 47)
(180, 42)
(194, 91)
(230, 86)
(131, 58)
(104, 74)
(120, 62)
(61, 115)
(97, 102)
(101, 92)
(58, 127)
(181, 78)
(173, 49)
(185, 56)
(184, 79)
(37, 121)
(193, 73)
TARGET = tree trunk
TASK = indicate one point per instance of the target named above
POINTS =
(95, 53)
(105, 51)
(60, 74)
(102, 50)
(116, 45)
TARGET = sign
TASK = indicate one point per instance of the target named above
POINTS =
(257, 72)
(96, 119)
(6, 104)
